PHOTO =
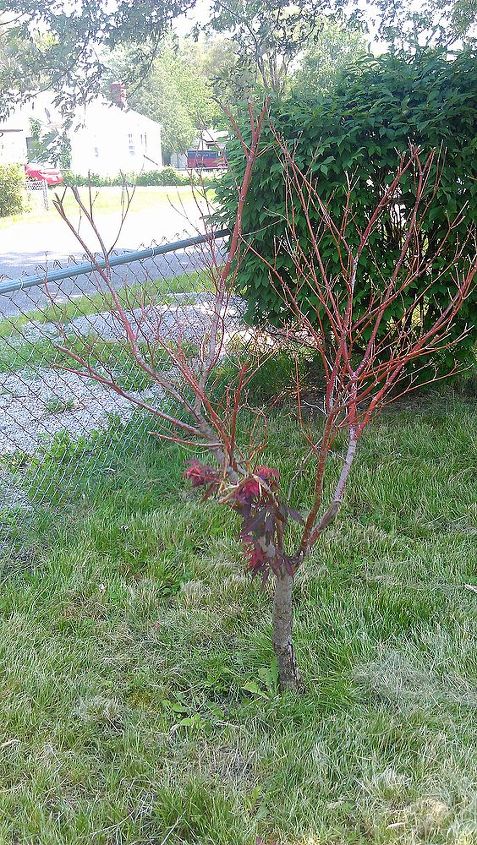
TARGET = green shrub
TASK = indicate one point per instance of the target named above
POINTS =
(167, 177)
(93, 179)
(12, 185)
(378, 107)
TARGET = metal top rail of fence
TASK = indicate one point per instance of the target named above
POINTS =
(117, 260)
(53, 420)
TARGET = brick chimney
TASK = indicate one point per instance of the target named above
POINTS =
(118, 94)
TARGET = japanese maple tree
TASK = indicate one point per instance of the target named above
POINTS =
(362, 366)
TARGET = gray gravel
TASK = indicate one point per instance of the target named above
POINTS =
(187, 315)
(12, 496)
(35, 405)
(33, 409)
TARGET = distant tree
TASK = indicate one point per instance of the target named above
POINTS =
(64, 44)
(159, 100)
(177, 91)
(333, 48)
(232, 79)
(267, 35)
(405, 25)
(194, 67)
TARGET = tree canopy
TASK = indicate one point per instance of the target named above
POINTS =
(66, 45)
(332, 50)
(63, 46)
(405, 25)
(269, 34)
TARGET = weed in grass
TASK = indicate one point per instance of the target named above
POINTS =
(59, 406)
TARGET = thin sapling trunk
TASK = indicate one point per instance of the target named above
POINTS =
(288, 674)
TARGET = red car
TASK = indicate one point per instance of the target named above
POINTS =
(44, 173)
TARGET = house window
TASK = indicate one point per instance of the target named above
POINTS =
(131, 144)
(96, 152)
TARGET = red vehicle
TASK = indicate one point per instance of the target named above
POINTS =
(44, 173)
(206, 159)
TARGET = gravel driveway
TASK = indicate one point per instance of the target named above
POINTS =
(36, 403)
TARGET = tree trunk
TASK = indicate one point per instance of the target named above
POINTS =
(288, 674)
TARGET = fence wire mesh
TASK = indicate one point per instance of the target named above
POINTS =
(57, 426)
(37, 194)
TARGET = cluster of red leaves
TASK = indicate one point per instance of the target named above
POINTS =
(257, 562)
(201, 474)
(263, 516)
(263, 480)
(257, 486)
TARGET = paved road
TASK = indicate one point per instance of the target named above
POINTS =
(29, 248)
(159, 268)
(29, 244)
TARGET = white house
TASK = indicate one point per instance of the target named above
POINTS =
(108, 140)
(13, 148)
(105, 138)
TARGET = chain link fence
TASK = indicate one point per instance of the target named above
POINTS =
(55, 424)
(37, 194)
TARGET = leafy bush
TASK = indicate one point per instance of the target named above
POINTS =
(379, 106)
(12, 184)
(96, 181)
(167, 177)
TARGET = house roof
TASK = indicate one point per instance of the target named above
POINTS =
(98, 112)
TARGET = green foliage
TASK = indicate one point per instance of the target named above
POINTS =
(167, 177)
(68, 56)
(37, 148)
(12, 184)
(332, 50)
(53, 146)
(438, 22)
(233, 79)
(268, 36)
(377, 107)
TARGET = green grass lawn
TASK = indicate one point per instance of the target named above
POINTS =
(157, 291)
(138, 701)
(106, 201)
